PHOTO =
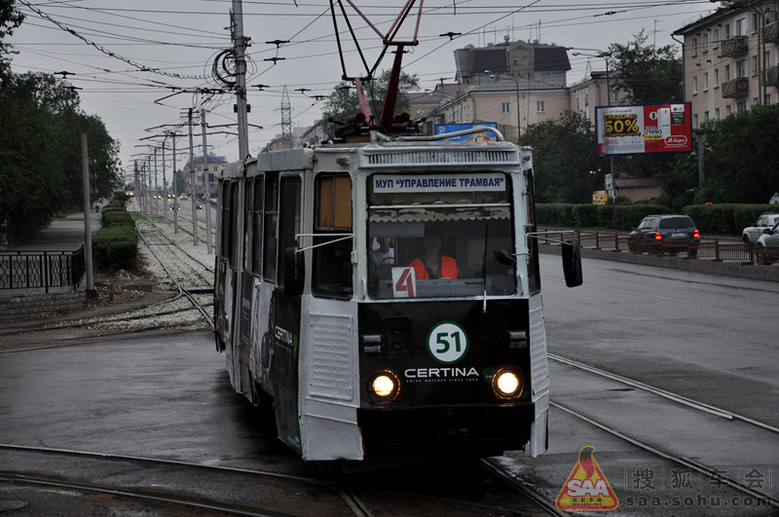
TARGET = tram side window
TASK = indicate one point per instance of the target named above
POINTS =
(269, 232)
(289, 217)
(533, 270)
(257, 227)
(228, 227)
(331, 264)
(234, 218)
(248, 224)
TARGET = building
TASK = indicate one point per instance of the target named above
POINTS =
(731, 59)
(215, 165)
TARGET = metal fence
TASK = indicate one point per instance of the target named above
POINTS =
(705, 249)
(36, 269)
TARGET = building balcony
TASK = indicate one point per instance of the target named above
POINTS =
(735, 46)
(771, 32)
(735, 88)
(772, 76)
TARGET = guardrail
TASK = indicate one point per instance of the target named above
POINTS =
(36, 269)
(705, 249)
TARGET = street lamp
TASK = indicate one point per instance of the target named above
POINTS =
(604, 56)
(516, 81)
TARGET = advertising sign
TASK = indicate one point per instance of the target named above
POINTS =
(476, 137)
(641, 129)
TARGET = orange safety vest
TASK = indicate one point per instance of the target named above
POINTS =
(448, 268)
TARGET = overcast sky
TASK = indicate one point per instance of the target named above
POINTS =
(107, 48)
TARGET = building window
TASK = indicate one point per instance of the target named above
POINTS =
(728, 110)
(755, 23)
(705, 43)
(755, 68)
(767, 99)
(741, 106)
(694, 85)
(741, 26)
(727, 31)
(727, 72)
(694, 47)
(716, 77)
(741, 68)
(716, 113)
(540, 106)
(695, 120)
(755, 101)
(715, 43)
(613, 97)
(706, 81)
(705, 115)
(506, 107)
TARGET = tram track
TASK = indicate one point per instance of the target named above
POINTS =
(172, 482)
(681, 399)
(659, 450)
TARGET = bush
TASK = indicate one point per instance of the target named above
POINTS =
(556, 214)
(114, 248)
(726, 219)
(116, 217)
(586, 215)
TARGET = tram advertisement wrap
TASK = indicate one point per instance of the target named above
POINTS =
(641, 129)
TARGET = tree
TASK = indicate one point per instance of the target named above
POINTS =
(343, 102)
(40, 152)
(567, 167)
(648, 74)
(741, 157)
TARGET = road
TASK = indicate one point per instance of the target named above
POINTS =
(708, 338)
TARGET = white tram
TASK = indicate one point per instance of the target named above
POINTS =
(321, 309)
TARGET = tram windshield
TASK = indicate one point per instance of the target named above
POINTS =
(433, 237)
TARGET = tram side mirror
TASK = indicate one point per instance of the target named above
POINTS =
(572, 263)
(294, 272)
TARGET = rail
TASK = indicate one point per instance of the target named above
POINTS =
(705, 249)
(46, 269)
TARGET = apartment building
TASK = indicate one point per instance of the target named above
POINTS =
(731, 59)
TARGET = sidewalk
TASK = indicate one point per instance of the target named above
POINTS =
(64, 234)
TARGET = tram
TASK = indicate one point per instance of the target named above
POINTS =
(381, 293)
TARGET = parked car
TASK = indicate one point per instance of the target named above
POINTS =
(665, 233)
(767, 246)
(764, 222)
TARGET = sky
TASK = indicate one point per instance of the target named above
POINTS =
(140, 65)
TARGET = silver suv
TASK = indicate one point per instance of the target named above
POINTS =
(764, 222)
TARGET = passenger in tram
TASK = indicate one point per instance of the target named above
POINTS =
(384, 254)
(432, 264)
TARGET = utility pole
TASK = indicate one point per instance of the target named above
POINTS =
(156, 184)
(239, 47)
(87, 212)
(206, 180)
(175, 187)
(286, 121)
(164, 185)
(192, 178)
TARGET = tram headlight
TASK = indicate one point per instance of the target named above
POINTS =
(507, 383)
(384, 386)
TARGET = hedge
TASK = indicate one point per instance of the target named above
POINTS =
(115, 246)
(724, 219)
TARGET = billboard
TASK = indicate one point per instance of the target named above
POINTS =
(641, 129)
(476, 137)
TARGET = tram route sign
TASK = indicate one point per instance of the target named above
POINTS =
(396, 184)
(643, 129)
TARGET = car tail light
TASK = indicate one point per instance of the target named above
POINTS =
(696, 234)
(658, 236)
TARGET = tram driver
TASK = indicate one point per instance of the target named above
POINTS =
(432, 264)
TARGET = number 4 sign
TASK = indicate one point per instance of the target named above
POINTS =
(404, 282)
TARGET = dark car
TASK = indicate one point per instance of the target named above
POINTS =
(665, 233)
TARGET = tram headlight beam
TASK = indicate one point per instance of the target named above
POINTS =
(507, 383)
(384, 386)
